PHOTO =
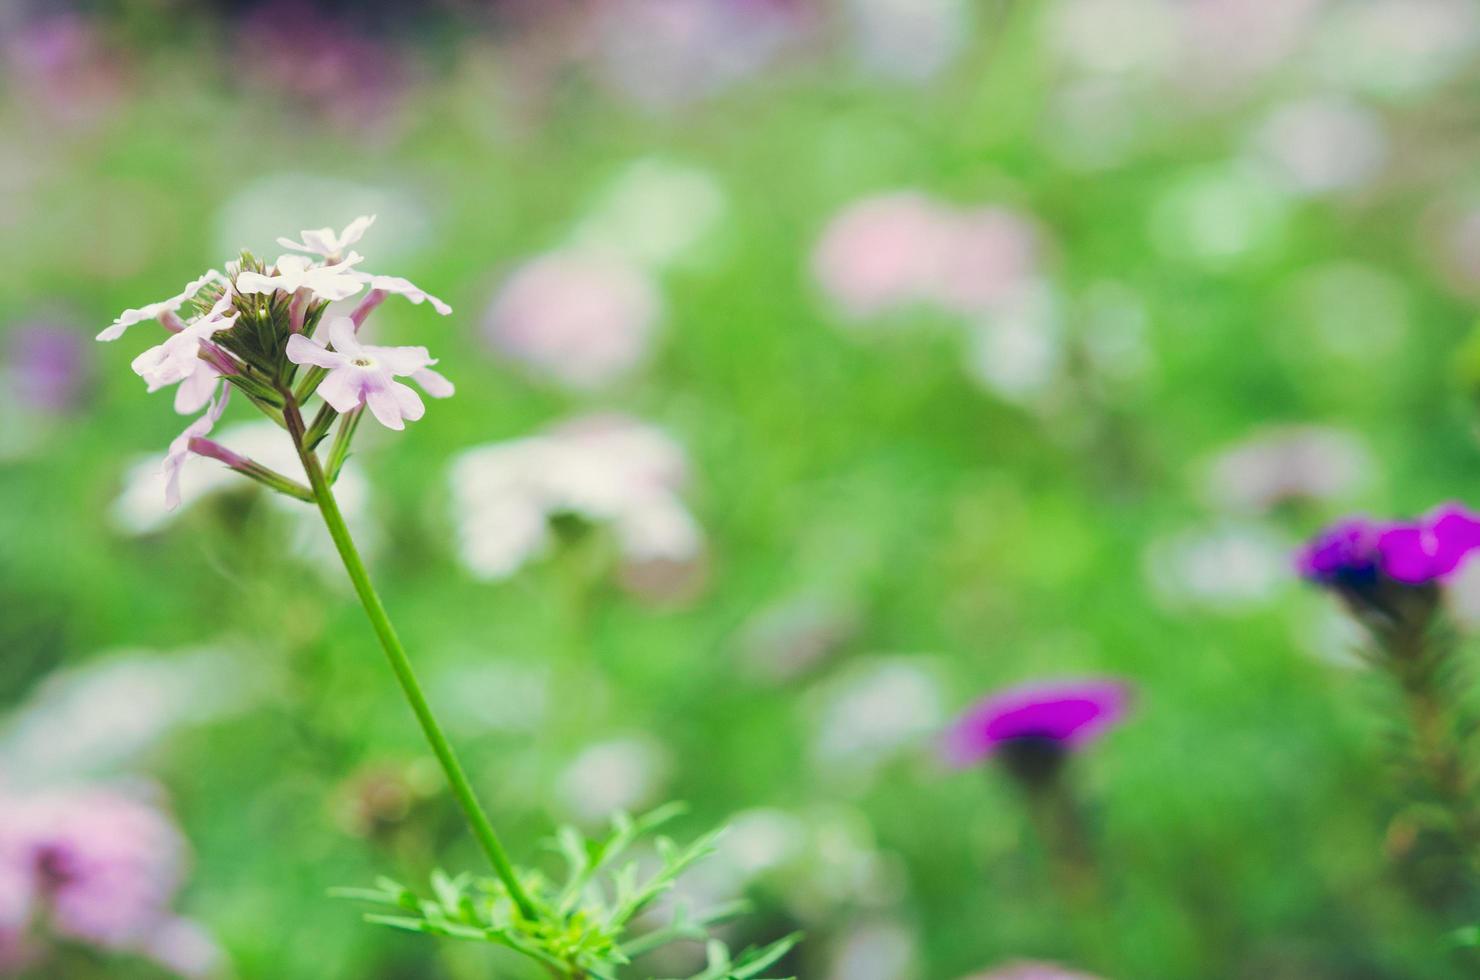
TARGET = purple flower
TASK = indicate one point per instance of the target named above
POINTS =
(1046, 720)
(1353, 553)
(47, 367)
(96, 866)
(1432, 548)
(1345, 552)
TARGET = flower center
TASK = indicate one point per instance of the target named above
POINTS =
(363, 362)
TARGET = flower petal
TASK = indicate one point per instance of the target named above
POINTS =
(303, 350)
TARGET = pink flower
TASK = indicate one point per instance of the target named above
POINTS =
(323, 241)
(178, 358)
(898, 249)
(583, 318)
(96, 866)
(361, 374)
(180, 448)
(881, 252)
(294, 272)
(153, 311)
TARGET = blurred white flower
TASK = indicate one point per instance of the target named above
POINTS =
(665, 53)
(909, 40)
(1315, 146)
(1397, 48)
(1116, 36)
(494, 695)
(581, 317)
(653, 213)
(1226, 567)
(1216, 217)
(1227, 44)
(876, 951)
(621, 774)
(1353, 311)
(792, 637)
(1302, 462)
(140, 507)
(873, 711)
(605, 469)
(1018, 353)
(95, 717)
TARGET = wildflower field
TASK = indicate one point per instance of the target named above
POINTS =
(740, 489)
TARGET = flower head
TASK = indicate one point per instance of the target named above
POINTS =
(153, 311)
(331, 281)
(362, 374)
(1343, 554)
(1034, 727)
(323, 241)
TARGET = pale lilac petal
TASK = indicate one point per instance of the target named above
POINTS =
(399, 361)
(342, 336)
(255, 282)
(404, 287)
(408, 401)
(384, 405)
(323, 241)
(197, 390)
(128, 318)
(179, 451)
(302, 350)
(342, 388)
(433, 383)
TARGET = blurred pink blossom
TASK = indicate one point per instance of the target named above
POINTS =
(897, 249)
(61, 64)
(99, 866)
(662, 53)
(46, 366)
(580, 317)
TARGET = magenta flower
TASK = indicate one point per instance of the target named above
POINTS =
(1356, 552)
(361, 374)
(1042, 721)
(1432, 548)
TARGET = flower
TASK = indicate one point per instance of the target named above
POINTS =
(46, 366)
(1356, 551)
(604, 469)
(178, 358)
(180, 449)
(152, 311)
(323, 241)
(1288, 463)
(99, 866)
(892, 250)
(1344, 552)
(581, 317)
(361, 374)
(332, 281)
(1033, 727)
(1030, 970)
(1432, 548)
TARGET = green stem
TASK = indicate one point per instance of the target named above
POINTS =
(401, 666)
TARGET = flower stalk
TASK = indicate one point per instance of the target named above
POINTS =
(401, 664)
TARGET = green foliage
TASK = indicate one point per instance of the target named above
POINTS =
(583, 926)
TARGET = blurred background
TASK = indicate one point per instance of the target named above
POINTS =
(948, 344)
